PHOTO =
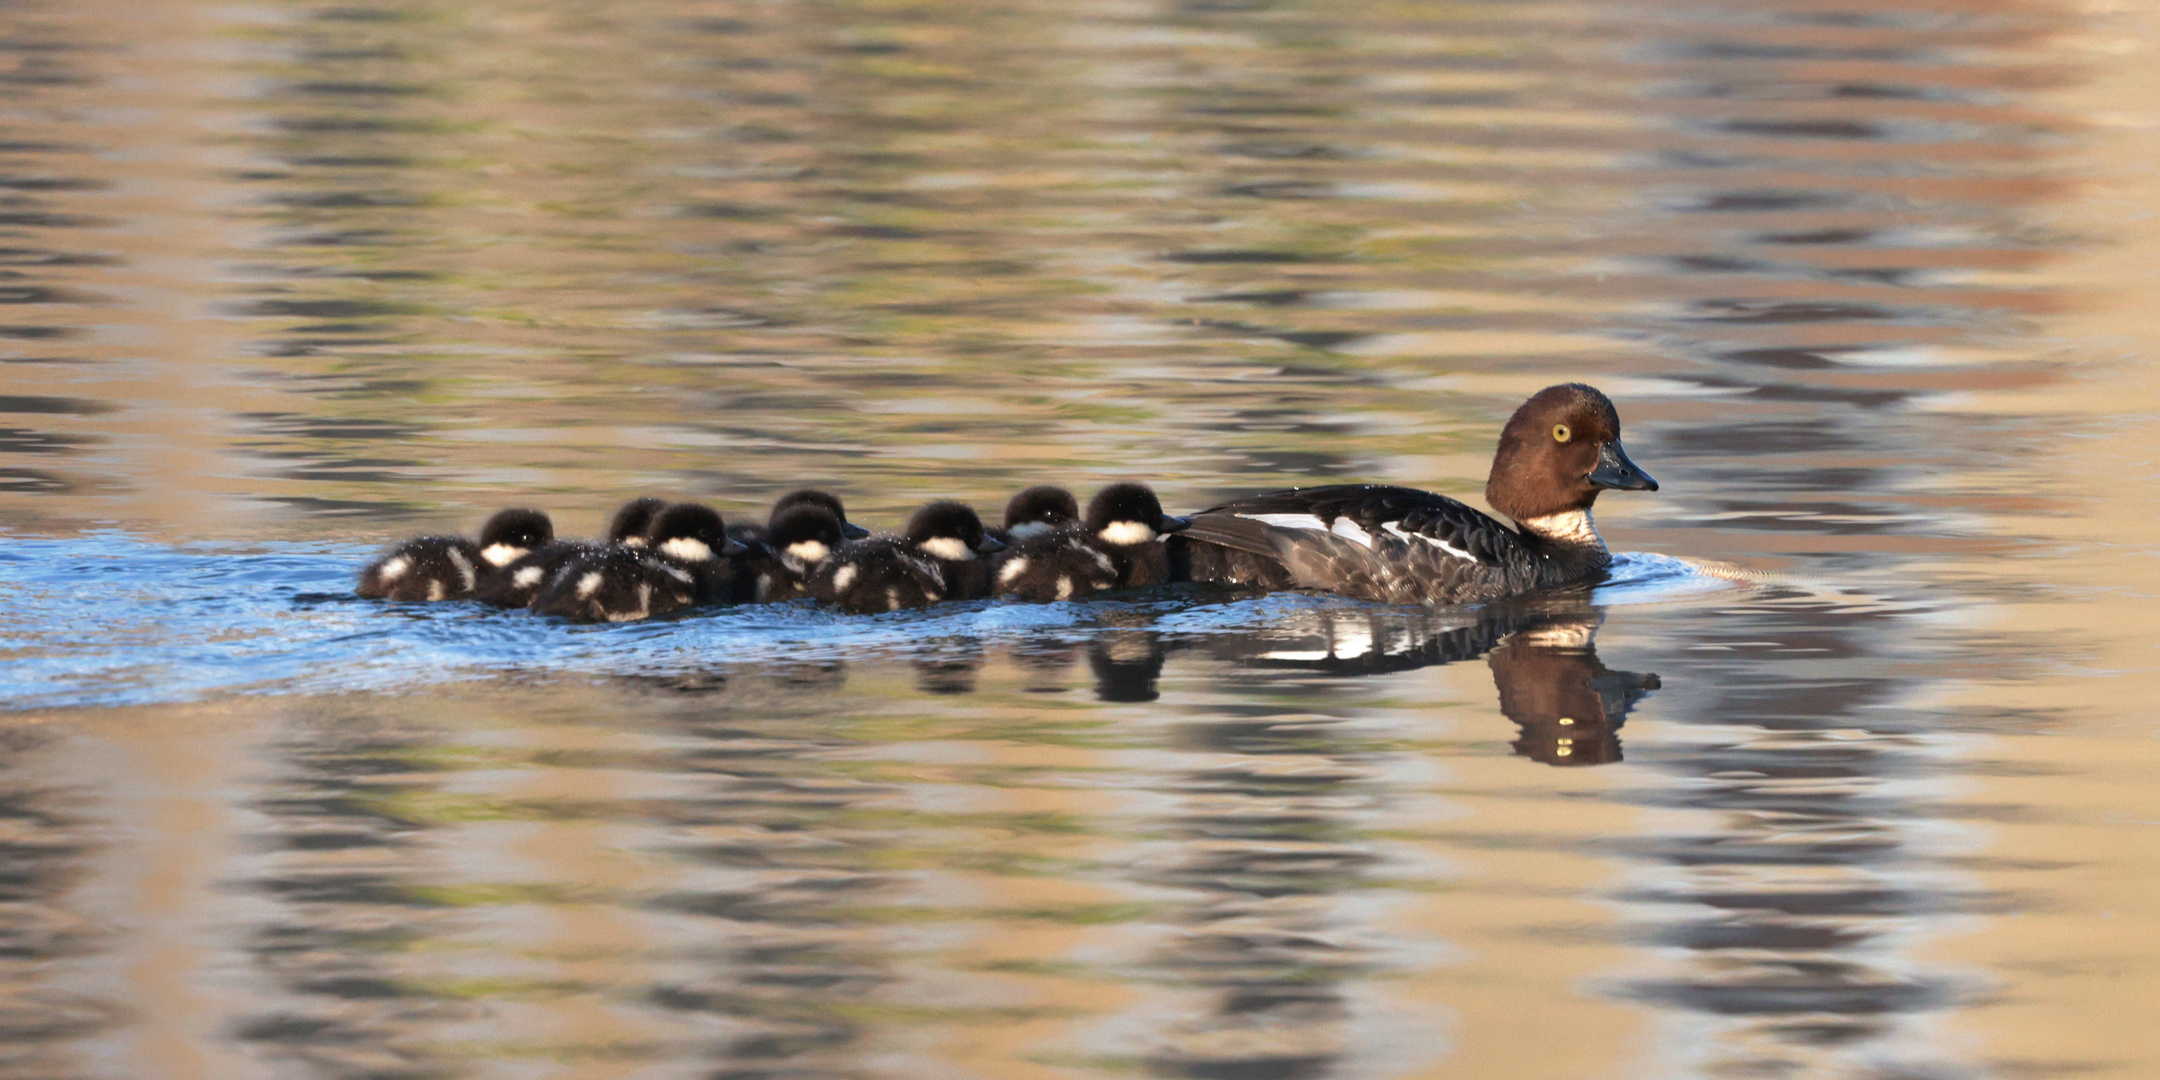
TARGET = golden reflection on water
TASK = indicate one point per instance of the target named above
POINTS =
(1870, 284)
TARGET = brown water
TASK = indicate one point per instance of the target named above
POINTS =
(1872, 285)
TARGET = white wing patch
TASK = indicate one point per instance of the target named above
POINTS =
(589, 584)
(464, 566)
(394, 568)
(1012, 569)
(644, 601)
(1396, 528)
(1065, 588)
(1351, 531)
(1288, 521)
(844, 578)
(678, 574)
(527, 577)
(434, 589)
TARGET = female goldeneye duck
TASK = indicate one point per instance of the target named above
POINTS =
(517, 583)
(1117, 546)
(1038, 511)
(685, 562)
(1403, 546)
(936, 560)
(824, 500)
(796, 541)
(449, 567)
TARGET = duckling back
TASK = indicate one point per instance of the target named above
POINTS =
(1059, 565)
(878, 574)
(616, 584)
(422, 568)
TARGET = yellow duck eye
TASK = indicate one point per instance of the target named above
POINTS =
(1560, 433)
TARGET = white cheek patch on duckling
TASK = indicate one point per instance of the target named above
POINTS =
(1125, 533)
(464, 567)
(1012, 569)
(501, 555)
(807, 552)
(633, 541)
(588, 585)
(687, 549)
(393, 568)
(1397, 529)
(527, 577)
(1029, 530)
(844, 578)
(948, 548)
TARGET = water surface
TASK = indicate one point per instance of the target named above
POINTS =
(1846, 773)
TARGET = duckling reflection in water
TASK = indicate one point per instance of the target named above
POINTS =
(1567, 703)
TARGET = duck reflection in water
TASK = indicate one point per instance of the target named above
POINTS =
(1567, 703)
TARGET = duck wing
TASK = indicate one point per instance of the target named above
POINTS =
(1374, 541)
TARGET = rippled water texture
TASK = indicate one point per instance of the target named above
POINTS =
(1850, 772)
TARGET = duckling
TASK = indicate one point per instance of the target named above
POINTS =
(685, 562)
(750, 533)
(635, 518)
(936, 560)
(1037, 511)
(1127, 522)
(448, 567)
(1117, 547)
(796, 541)
(517, 583)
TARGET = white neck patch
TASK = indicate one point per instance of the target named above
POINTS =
(1126, 533)
(1573, 527)
(687, 549)
(500, 555)
(948, 548)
